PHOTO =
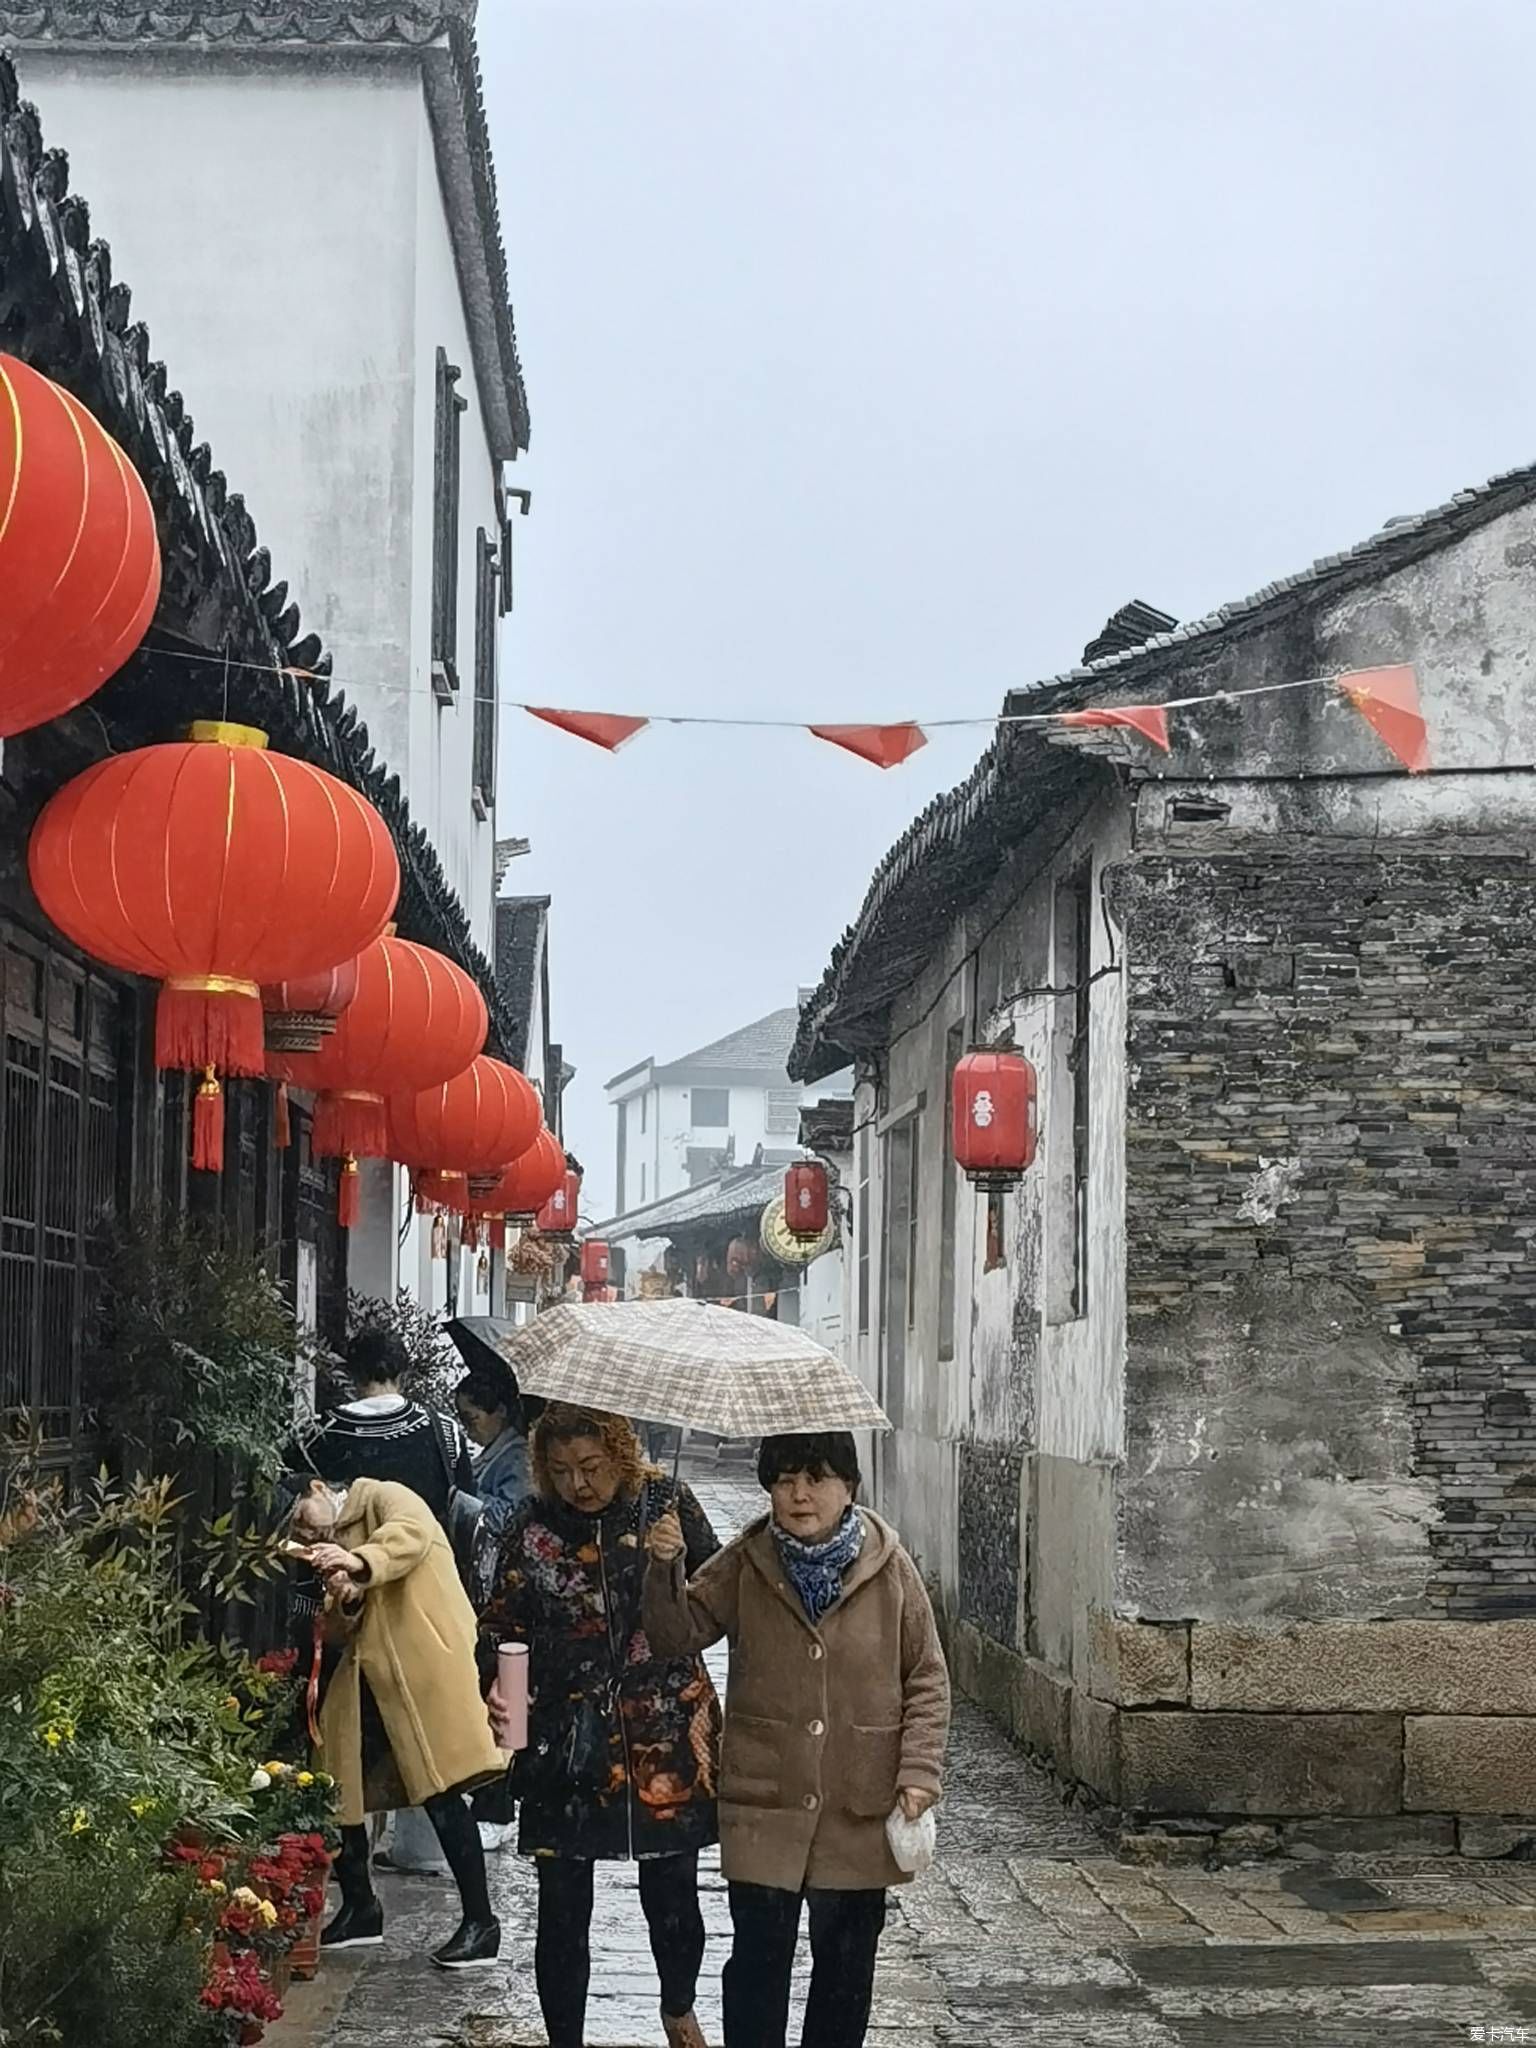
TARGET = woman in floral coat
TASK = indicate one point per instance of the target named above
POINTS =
(623, 1746)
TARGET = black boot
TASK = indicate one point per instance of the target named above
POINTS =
(360, 1923)
(478, 1941)
(475, 1947)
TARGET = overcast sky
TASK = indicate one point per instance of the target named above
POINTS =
(878, 349)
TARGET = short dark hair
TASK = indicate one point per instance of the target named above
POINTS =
(377, 1358)
(831, 1454)
(489, 1390)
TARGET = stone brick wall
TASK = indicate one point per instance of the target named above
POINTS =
(1331, 1203)
(990, 1479)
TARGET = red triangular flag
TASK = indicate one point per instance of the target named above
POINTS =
(886, 745)
(606, 729)
(1388, 699)
(1150, 720)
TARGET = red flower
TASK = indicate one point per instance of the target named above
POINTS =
(278, 1663)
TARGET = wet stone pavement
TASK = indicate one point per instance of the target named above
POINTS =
(1025, 1935)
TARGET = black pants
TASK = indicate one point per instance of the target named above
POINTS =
(455, 1829)
(669, 1898)
(845, 1935)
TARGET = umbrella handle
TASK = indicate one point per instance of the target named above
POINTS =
(677, 1455)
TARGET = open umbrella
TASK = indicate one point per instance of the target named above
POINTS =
(689, 1363)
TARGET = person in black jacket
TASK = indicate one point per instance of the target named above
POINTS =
(383, 1434)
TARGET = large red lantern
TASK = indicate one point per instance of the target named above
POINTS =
(79, 559)
(464, 1131)
(557, 1218)
(415, 1021)
(213, 866)
(806, 1199)
(994, 1117)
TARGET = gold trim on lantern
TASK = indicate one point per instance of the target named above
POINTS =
(211, 985)
(223, 732)
(353, 1095)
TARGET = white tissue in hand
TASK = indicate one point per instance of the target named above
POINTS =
(913, 1842)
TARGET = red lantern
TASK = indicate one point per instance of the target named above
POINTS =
(594, 1262)
(415, 1022)
(79, 559)
(470, 1125)
(213, 867)
(301, 1015)
(806, 1199)
(557, 1218)
(994, 1117)
(528, 1182)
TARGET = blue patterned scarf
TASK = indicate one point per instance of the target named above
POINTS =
(815, 1570)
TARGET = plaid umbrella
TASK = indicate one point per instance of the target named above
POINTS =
(690, 1363)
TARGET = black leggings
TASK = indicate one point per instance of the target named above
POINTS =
(455, 1828)
(669, 1898)
(845, 1936)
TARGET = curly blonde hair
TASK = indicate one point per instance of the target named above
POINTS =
(561, 1424)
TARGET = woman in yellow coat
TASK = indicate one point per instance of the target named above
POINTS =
(402, 1723)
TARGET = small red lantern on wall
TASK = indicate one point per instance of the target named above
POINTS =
(805, 1199)
(994, 1125)
(557, 1218)
(594, 1262)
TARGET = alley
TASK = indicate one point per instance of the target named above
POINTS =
(1028, 1934)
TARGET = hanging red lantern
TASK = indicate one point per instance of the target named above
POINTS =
(994, 1117)
(806, 1199)
(557, 1218)
(594, 1262)
(415, 1021)
(213, 867)
(79, 558)
(301, 1015)
(528, 1182)
(471, 1125)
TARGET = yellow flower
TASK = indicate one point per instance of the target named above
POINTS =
(246, 1898)
(81, 1824)
(52, 1737)
(139, 1807)
(267, 1914)
(275, 1770)
(231, 1705)
(217, 1886)
(306, 1779)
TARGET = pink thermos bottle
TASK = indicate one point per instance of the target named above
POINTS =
(512, 1696)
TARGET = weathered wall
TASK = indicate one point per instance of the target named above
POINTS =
(999, 1472)
(1332, 1200)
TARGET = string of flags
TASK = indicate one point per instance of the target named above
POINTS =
(1387, 698)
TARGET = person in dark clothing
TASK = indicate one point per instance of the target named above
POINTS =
(383, 1434)
(623, 1746)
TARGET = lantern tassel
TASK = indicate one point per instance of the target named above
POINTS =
(208, 1125)
(498, 1233)
(350, 1124)
(201, 1022)
(282, 1128)
(349, 1199)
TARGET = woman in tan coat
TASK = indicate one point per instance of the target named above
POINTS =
(402, 1723)
(837, 1711)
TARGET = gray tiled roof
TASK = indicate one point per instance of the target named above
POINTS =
(763, 1045)
(723, 1200)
